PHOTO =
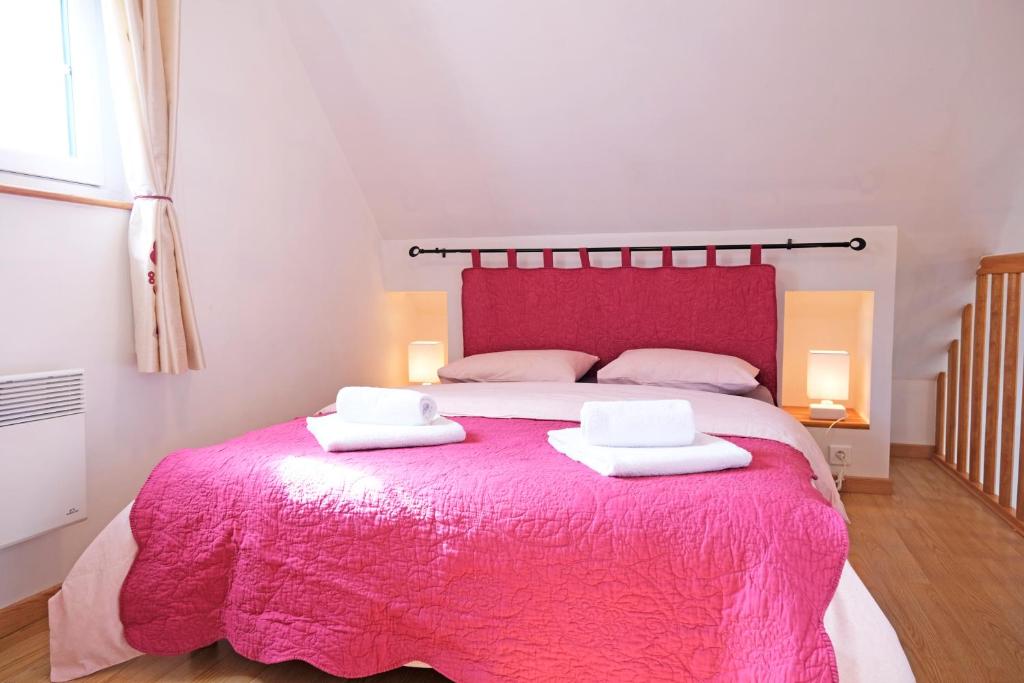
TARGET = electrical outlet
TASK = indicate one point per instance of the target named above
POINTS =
(839, 455)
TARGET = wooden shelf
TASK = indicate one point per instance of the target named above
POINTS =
(853, 419)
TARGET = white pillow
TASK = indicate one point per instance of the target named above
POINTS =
(519, 366)
(682, 370)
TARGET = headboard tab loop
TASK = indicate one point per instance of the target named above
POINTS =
(755, 254)
(475, 255)
(584, 258)
(513, 259)
(666, 257)
(549, 258)
(627, 257)
(712, 257)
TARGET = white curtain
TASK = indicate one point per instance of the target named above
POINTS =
(142, 51)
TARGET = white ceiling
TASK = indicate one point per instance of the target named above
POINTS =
(491, 117)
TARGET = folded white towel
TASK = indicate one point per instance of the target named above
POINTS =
(373, 405)
(706, 454)
(335, 434)
(638, 423)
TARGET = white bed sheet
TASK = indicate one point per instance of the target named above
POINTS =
(748, 415)
(85, 628)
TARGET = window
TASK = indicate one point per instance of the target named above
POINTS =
(48, 120)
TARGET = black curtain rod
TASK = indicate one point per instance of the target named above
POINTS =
(857, 244)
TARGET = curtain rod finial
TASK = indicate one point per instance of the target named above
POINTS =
(858, 243)
(415, 251)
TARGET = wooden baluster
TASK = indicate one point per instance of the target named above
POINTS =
(1020, 421)
(963, 433)
(995, 356)
(977, 377)
(1009, 387)
(954, 352)
(940, 415)
(1020, 467)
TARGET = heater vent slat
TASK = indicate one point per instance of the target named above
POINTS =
(40, 411)
(32, 399)
(38, 417)
(23, 385)
(41, 396)
(40, 378)
(41, 405)
(29, 390)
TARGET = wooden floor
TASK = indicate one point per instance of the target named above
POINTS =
(947, 572)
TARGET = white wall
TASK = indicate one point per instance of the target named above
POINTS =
(471, 118)
(482, 117)
(282, 255)
(872, 269)
(1011, 239)
(913, 408)
(914, 399)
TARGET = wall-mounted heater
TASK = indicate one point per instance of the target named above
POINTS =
(42, 453)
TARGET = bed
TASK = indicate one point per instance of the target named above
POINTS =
(498, 558)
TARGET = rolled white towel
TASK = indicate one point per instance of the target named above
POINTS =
(632, 424)
(373, 405)
(706, 454)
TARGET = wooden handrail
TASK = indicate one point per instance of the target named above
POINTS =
(1002, 263)
(64, 197)
(976, 396)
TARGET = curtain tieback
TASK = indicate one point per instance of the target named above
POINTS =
(154, 196)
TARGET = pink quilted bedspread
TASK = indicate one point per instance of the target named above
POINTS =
(493, 559)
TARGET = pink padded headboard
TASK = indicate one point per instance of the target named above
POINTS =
(605, 311)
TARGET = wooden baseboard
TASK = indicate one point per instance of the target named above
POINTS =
(991, 502)
(24, 612)
(879, 485)
(911, 450)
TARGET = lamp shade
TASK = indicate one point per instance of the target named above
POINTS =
(425, 357)
(828, 375)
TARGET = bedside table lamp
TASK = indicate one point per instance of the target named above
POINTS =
(425, 357)
(828, 379)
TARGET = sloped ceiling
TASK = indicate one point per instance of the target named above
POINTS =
(495, 117)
